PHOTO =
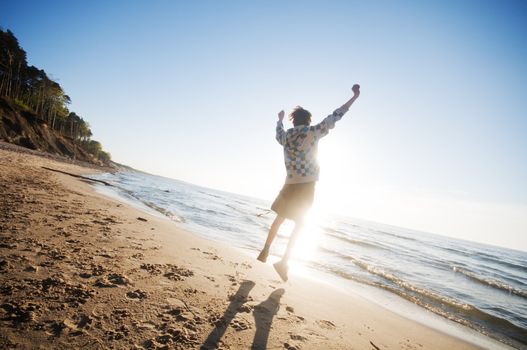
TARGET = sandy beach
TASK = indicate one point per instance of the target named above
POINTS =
(80, 270)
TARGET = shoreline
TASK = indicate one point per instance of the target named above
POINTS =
(387, 300)
(72, 256)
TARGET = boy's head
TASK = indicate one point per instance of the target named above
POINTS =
(300, 116)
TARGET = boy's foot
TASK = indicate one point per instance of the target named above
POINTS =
(263, 255)
(281, 268)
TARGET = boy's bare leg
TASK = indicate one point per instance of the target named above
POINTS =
(291, 244)
(279, 220)
(281, 266)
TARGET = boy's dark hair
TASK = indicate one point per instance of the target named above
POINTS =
(300, 116)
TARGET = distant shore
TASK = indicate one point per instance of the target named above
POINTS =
(82, 270)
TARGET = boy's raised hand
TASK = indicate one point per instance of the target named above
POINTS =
(281, 115)
(356, 90)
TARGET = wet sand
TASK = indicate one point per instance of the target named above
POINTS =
(80, 270)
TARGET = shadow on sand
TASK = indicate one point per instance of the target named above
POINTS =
(263, 315)
(237, 301)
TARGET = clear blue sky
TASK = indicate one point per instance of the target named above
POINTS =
(190, 90)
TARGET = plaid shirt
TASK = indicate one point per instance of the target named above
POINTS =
(301, 146)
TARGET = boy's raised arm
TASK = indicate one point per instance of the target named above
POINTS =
(356, 94)
(322, 128)
(280, 133)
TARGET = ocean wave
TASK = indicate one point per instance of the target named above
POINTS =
(454, 250)
(434, 263)
(356, 241)
(497, 258)
(395, 235)
(172, 216)
(408, 286)
(500, 261)
(490, 282)
(209, 194)
(465, 314)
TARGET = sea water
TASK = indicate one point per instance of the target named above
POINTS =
(480, 286)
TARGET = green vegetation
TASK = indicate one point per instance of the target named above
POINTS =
(33, 91)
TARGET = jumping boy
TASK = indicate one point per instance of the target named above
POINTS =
(300, 156)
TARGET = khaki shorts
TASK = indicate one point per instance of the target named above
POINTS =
(294, 200)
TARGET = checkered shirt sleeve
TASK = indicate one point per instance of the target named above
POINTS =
(322, 128)
(280, 133)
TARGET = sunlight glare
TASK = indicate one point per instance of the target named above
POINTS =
(306, 245)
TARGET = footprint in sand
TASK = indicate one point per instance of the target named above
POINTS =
(117, 334)
(298, 337)
(190, 291)
(17, 313)
(176, 273)
(77, 294)
(153, 269)
(103, 283)
(185, 316)
(118, 279)
(170, 271)
(212, 256)
(181, 337)
(120, 314)
(136, 294)
(4, 265)
(111, 281)
(82, 321)
(216, 320)
(240, 324)
(94, 270)
(326, 324)
(57, 254)
(246, 308)
(246, 265)
(231, 278)
(291, 346)
(52, 282)
(31, 268)
(56, 328)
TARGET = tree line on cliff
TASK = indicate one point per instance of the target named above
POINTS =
(32, 90)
